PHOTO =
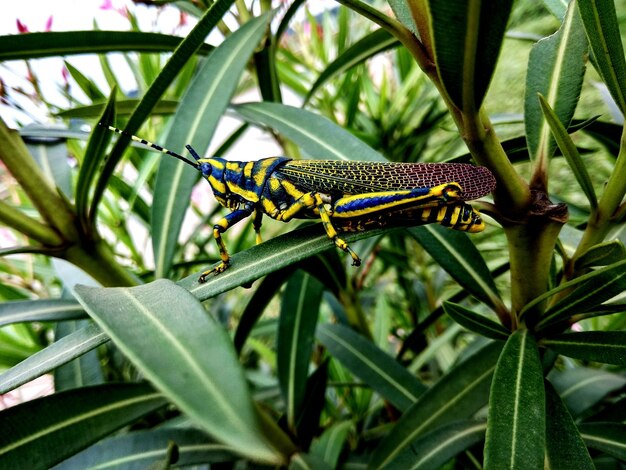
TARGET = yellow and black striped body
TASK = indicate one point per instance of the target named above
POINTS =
(354, 196)
(344, 195)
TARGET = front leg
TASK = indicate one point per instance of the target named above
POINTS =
(313, 200)
(220, 227)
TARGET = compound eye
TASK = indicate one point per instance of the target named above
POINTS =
(205, 168)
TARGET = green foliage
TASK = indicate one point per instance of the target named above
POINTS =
(503, 349)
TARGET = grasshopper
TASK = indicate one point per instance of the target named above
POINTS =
(344, 195)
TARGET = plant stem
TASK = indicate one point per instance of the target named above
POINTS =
(16, 219)
(97, 260)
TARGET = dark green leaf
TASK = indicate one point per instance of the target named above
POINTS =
(555, 69)
(94, 156)
(434, 449)
(87, 85)
(602, 28)
(467, 38)
(140, 450)
(607, 347)
(455, 252)
(122, 107)
(270, 256)
(194, 365)
(582, 388)
(40, 310)
(45, 431)
(516, 420)
(373, 366)
(606, 437)
(194, 123)
(314, 404)
(329, 445)
(601, 254)
(475, 322)
(55, 355)
(317, 136)
(458, 395)
(564, 445)
(33, 45)
(296, 331)
(82, 371)
(568, 148)
(368, 46)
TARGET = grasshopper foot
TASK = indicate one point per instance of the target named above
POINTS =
(220, 268)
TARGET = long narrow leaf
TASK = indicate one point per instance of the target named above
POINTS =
(564, 445)
(55, 355)
(467, 38)
(33, 45)
(370, 45)
(569, 150)
(146, 449)
(373, 366)
(608, 347)
(316, 135)
(602, 28)
(207, 384)
(555, 69)
(40, 310)
(516, 422)
(43, 432)
(475, 322)
(434, 449)
(195, 122)
(606, 437)
(458, 395)
(296, 331)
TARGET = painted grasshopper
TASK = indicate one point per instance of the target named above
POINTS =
(344, 195)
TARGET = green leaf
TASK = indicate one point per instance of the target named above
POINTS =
(93, 158)
(587, 291)
(457, 395)
(123, 107)
(467, 38)
(317, 136)
(207, 384)
(85, 84)
(58, 353)
(45, 431)
(455, 252)
(184, 52)
(270, 256)
(194, 123)
(607, 347)
(606, 437)
(146, 448)
(564, 445)
(475, 322)
(296, 331)
(583, 388)
(605, 285)
(373, 366)
(568, 148)
(556, 67)
(434, 449)
(602, 254)
(40, 310)
(602, 28)
(33, 45)
(329, 445)
(516, 420)
(370, 45)
(402, 11)
(82, 371)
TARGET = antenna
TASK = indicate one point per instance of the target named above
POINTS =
(155, 146)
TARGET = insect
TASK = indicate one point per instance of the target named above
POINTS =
(346, 196)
